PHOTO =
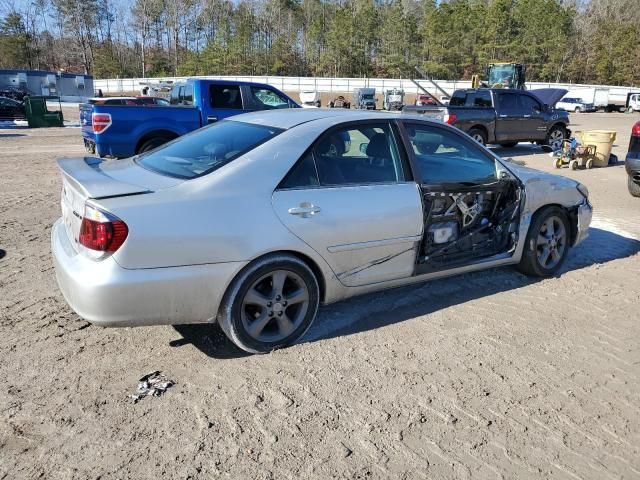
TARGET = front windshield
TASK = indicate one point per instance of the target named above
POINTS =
(206, 149)
(501, 75)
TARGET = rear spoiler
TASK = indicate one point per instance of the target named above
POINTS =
(86, 176)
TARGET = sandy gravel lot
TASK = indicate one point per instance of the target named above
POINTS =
(488, 375)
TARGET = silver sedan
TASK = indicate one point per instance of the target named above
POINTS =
(255, 221)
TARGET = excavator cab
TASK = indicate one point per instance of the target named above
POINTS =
(506, 75)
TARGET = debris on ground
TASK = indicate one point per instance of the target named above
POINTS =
(152, 384)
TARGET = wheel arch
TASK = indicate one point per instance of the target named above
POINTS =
(558, 124)
(164, 133)
(572, 216)
(479, 126)
(306, 259)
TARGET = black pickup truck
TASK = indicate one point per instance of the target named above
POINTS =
(504, 116)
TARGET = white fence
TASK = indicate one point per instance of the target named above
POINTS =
(322, 84)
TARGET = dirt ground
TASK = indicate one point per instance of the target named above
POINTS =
(487, 375)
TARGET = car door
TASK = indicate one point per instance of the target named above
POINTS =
(352, 199)
(508, 117)
(462, 186)
(532, 124)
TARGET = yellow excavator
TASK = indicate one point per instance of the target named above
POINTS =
(502, 75)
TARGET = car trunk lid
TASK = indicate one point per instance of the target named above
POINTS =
(92, 178)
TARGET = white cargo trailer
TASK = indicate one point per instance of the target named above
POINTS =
(609, 99)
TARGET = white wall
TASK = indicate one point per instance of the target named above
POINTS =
(321, 84)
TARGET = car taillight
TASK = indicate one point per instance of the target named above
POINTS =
(100, 122)
(449, 118)
(101, 233)
(635, 131)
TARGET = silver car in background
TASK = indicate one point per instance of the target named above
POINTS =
(255, 221)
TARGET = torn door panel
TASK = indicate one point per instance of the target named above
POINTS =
(468, 223)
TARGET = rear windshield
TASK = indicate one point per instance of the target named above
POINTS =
(206, 149)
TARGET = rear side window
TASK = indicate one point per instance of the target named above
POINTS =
(182, 95)
(225, 96)
(481, 99)
(207, 149)
(458, 99)
(187, 98)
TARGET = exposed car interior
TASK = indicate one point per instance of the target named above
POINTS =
(356, 155)
(470, 213)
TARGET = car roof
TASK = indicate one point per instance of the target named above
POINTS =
(291, 117)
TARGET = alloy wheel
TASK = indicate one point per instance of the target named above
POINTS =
(556, 137)
(275, 306)
(551, 242)
(478, 138)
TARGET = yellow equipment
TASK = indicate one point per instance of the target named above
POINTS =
(506, 75)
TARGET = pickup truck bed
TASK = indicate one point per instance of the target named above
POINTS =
(140, 123)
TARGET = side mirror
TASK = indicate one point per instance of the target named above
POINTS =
(363, 148)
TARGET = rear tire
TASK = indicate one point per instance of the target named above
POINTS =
(578, 110)
(478, 135)
(270, 304)
(634, 188)
(547, 243)
(152, 144)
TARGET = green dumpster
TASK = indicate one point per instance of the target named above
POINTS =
(37, 114)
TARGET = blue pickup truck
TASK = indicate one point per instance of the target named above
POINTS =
(121, 131)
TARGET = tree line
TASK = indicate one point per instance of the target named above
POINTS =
(579, 41)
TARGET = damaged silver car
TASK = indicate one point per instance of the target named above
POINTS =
(255, 221)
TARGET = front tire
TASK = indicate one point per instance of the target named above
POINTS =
(547, 243)
(634, 188)
(270, 304)
(578, 110)
(556, 136)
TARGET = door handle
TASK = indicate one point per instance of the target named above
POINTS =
(503, 116)
(527, 116)
(212, 119)
(305, 210)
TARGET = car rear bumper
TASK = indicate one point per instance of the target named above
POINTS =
(106, 294)
(584, 214)
(632, 166)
